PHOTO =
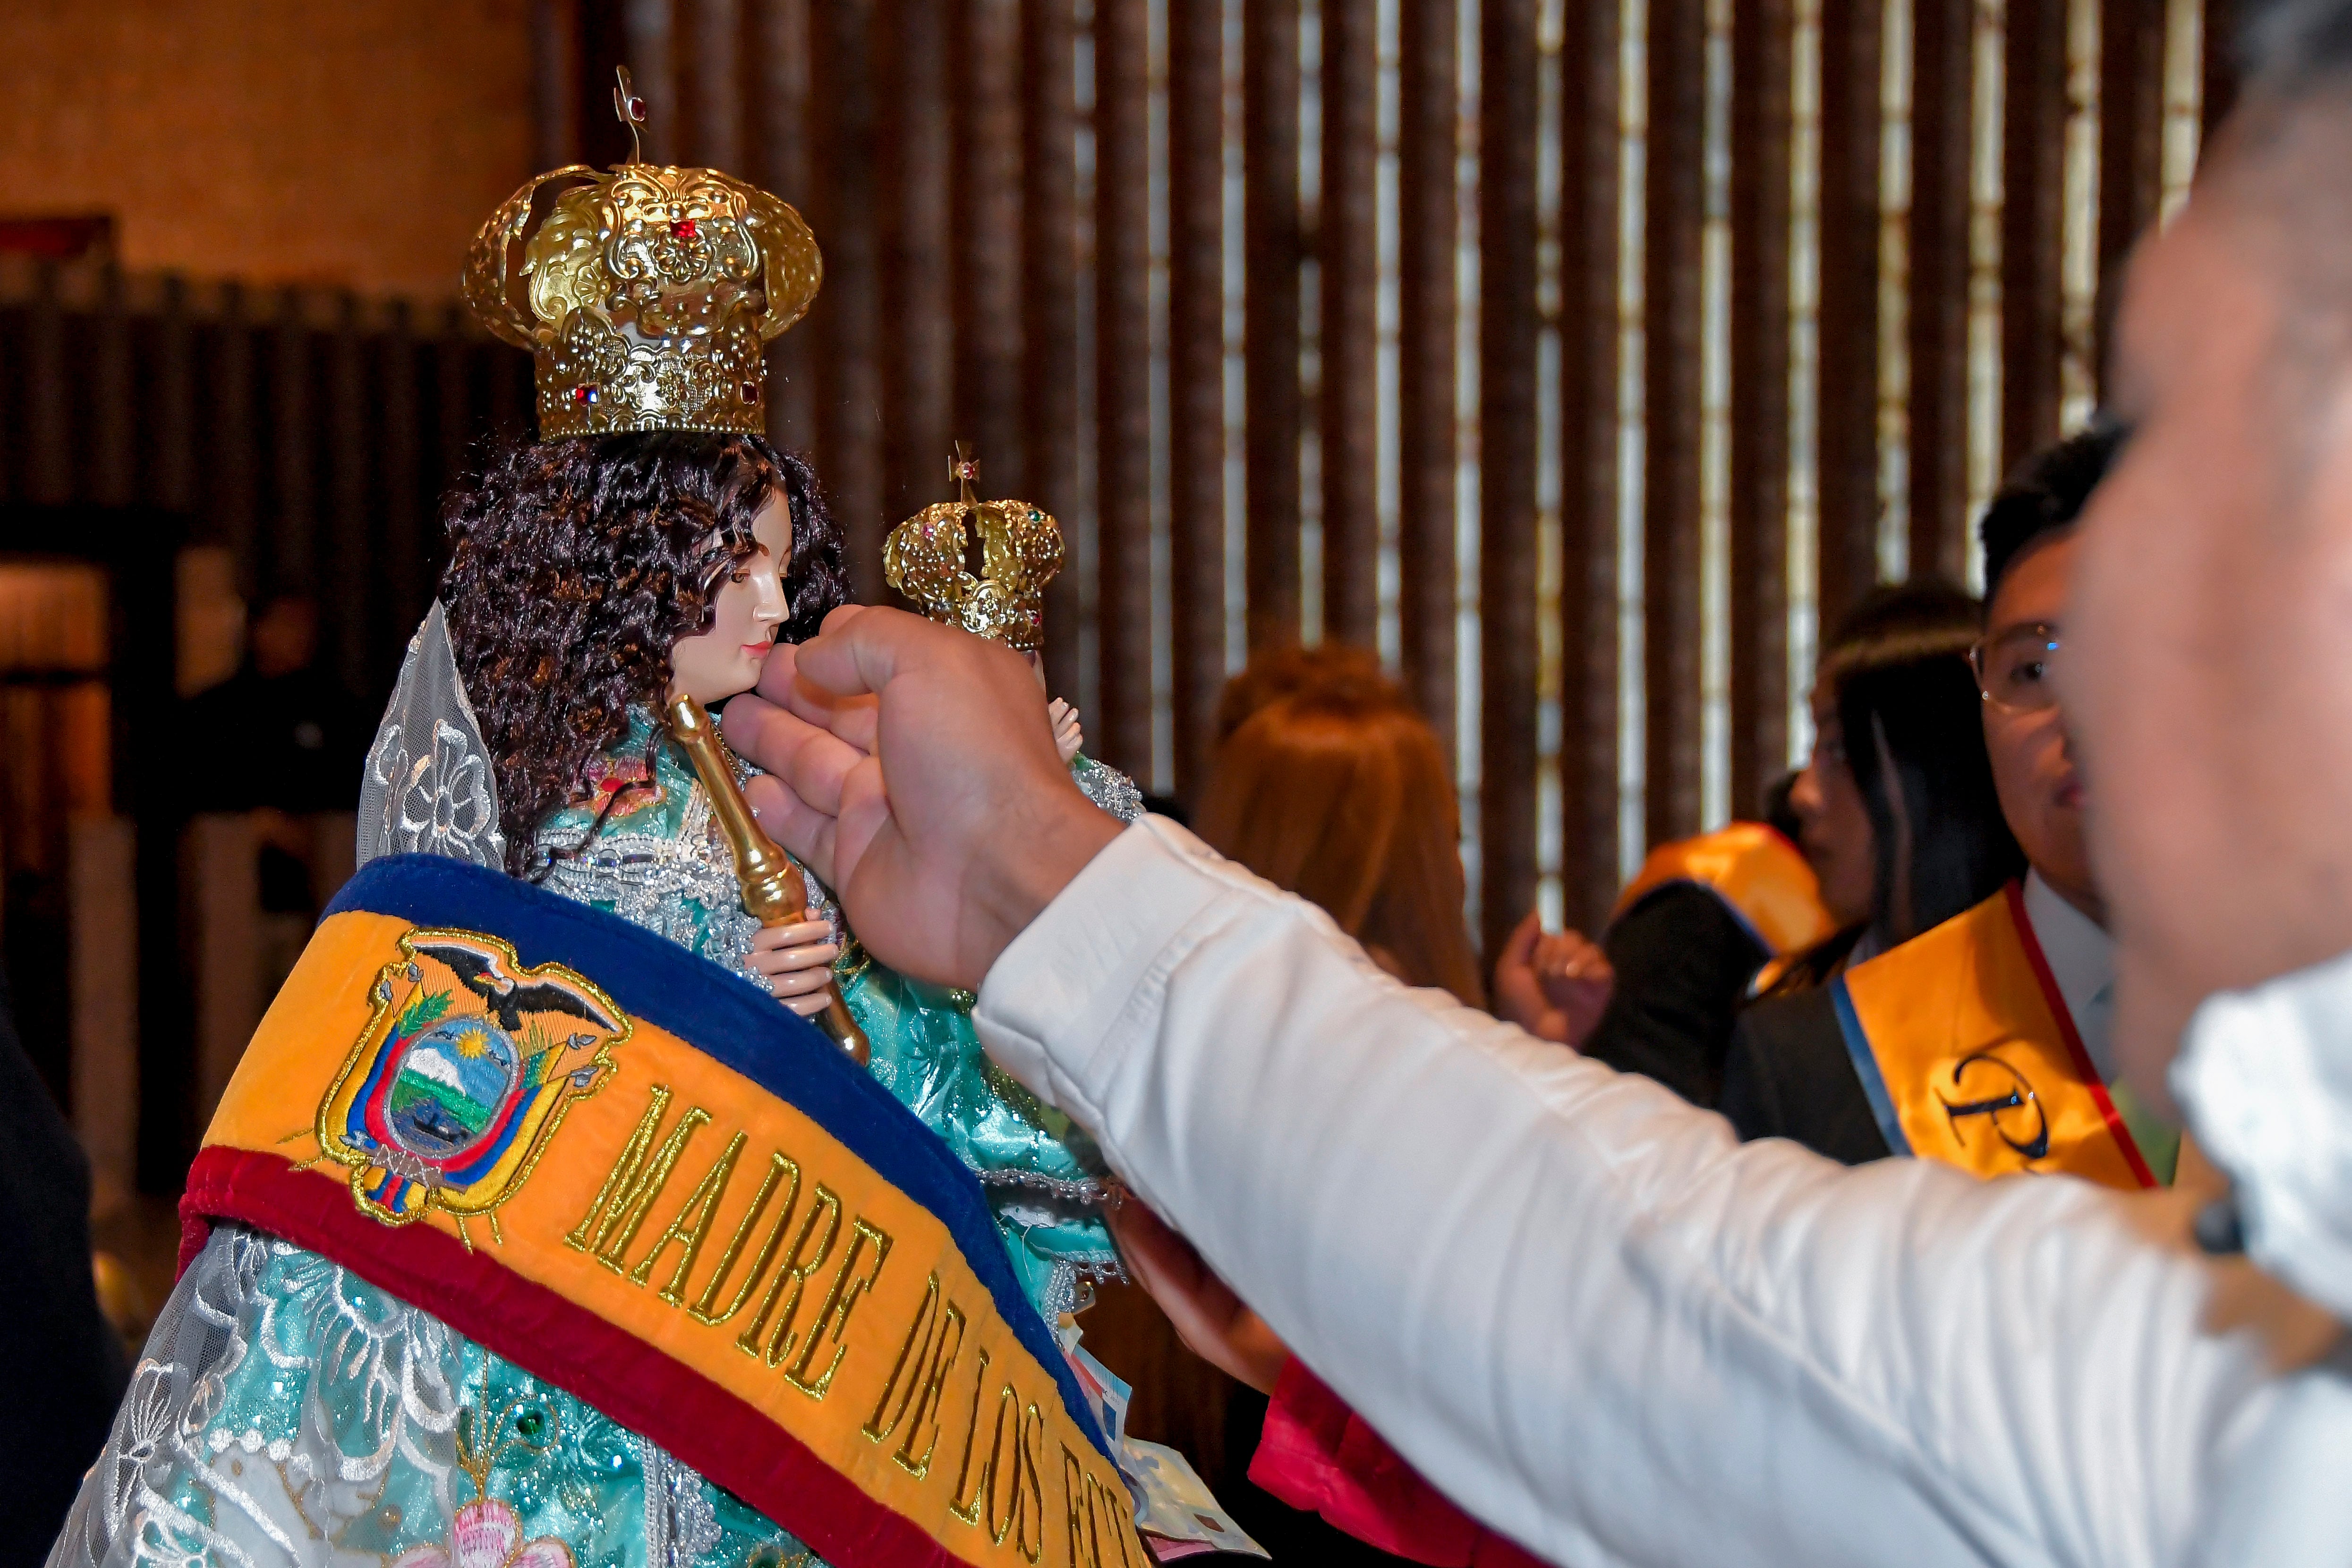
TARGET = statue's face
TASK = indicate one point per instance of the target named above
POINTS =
(745, 612)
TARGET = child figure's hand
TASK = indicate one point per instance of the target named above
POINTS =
(796, 960)
(1067, 736)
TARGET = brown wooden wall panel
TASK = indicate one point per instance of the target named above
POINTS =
(557, 75)
(1049, 347)
(1347, 241)
(172, 390)
(2033, 227)
(918, 346)
(112, 479)
(1196, 369)
(845, 328)
(1942, 36)
(2131, 147)
(777, 160)
(1507, 525)
(49, 427)
(406, 558)
(347, 565)
(984, 237)
(228, 444)
(1429, 107)
(1588, 441)
(1761, 125)
(1273, 250)
(712, 62)
(1847, 415)
(1122, 725)
(1677, 209)
(653, 69)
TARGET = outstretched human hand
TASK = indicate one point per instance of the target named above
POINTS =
(1556, 985)
(912, 767)
(1213, 1321)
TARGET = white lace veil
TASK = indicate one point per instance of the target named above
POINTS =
(429, 789)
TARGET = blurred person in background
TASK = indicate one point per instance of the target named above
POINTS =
(1328, 784)
(1709, 919)
(1984, 1041)
(296, 733)
(1332, 786)
(284, 740)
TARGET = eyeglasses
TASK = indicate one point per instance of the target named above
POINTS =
(2014, 669)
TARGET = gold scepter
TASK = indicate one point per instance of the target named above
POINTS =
(775, 891)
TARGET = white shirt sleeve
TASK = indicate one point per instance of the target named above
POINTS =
(1575, 1302)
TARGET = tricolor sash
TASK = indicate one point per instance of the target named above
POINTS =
(1762, 879)
(623, 1169)
(1968, 1054)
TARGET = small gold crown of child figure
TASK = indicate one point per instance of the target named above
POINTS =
(1020, 551)
(647, 294)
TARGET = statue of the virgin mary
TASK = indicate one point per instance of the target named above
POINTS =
(534, 1231)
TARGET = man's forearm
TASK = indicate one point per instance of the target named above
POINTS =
(1574, 1302)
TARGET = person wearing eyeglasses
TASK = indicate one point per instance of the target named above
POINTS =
(1984, 1041)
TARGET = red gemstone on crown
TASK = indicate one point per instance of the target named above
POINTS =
(583, 394)
(682, 228)
(750, 392)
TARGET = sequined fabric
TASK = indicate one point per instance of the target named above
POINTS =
(657, 861)
(286, 1413)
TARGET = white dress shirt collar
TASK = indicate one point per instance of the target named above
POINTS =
(2083, 960)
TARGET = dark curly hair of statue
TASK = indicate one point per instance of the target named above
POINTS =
(575, 566)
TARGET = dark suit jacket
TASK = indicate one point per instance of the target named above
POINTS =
(1683, 965)
(1787, 1075)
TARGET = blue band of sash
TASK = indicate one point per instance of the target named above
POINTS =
(725, 1016)
(1865, 1068)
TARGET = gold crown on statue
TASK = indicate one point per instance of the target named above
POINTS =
(1020, 551)
(647, 294)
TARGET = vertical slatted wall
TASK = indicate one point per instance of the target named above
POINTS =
(1584, 357)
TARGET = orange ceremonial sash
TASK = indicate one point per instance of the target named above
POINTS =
(1761, 877)
(1969, 1056)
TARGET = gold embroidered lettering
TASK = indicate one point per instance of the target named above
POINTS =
(1118, 1509)
(1078, 1513)
(779, 1168)
(1029, 1484)
(970, 1511)
(946, 1345)
(692, 1225)
(781, 1304)
(983, 1493)
(915, 1350)
(840, 1300)
(618, 1212)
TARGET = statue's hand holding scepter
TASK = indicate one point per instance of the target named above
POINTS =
(775, 894)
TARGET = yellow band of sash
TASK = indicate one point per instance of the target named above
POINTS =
(1758, 875)
(1974, 1058)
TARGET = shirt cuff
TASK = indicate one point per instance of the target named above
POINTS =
(1091, 971)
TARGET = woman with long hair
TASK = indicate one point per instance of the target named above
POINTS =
(1329, 784)
(1905, 740)
(1334, 788)
(1896, 805)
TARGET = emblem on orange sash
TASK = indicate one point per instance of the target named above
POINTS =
(463, 1073)
(1968, 1054)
